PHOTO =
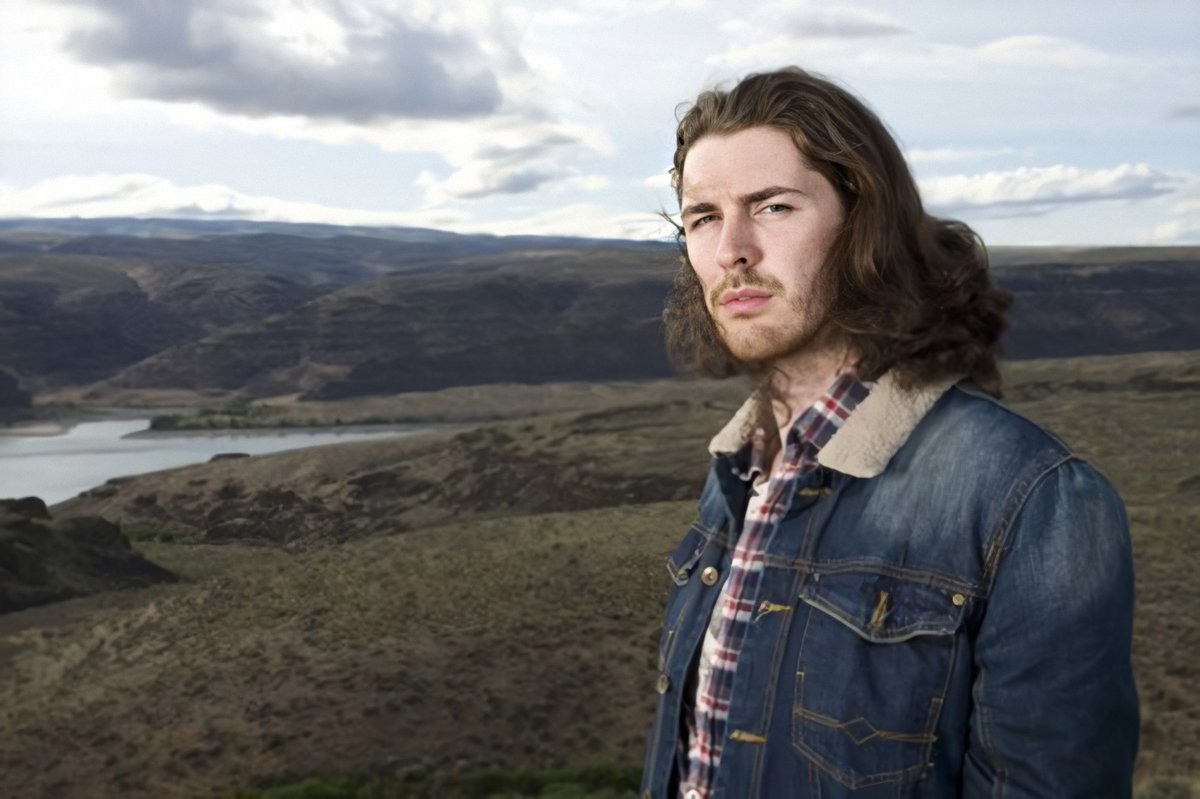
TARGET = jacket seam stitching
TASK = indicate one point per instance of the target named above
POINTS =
(1001, 542)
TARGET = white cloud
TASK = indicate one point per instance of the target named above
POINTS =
(503, 154)
(1041, 51)
(593, 12)
(1176, 231)
(309, 31)
(944, 155)
(1183, 226)
(842, 23)
(585, 183)
(777, 33)
(587, 89)
(147, 196)
(661, 180)
(514, 157)
(583, 219)
(31, 35)
(1031, 191)
(326, 59)
(1180, 216)
(526, 140)
(640, 6)
(550, 17)
(141, 195)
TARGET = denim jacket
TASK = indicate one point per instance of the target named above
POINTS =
(946, 610)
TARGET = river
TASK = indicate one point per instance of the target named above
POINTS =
(59, 467)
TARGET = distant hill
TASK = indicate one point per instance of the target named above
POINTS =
(39, 233)
(257, 309)
(80, 300)
(526, 317)
(1103, 302)
(15, 401)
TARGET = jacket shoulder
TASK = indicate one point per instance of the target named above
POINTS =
(979, 461)
(981, 432)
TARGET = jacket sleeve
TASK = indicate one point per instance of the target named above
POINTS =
(1055, 709)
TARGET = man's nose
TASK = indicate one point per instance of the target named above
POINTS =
(738, 247)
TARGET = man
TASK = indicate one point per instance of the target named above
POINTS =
(895, 585)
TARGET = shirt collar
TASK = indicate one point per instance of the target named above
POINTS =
(810, 430)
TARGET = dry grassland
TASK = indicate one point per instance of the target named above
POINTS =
(523, 638)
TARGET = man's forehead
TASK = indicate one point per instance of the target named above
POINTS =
(739, 163)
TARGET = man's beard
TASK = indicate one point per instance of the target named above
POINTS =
(762, 343)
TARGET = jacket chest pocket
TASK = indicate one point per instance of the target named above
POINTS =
(680, 566)
(874, 665)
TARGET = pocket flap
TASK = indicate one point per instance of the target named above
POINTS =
(687, 555)
(882, 608)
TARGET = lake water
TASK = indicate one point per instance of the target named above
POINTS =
(59, 467)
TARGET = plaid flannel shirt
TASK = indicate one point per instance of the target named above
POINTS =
(734, 609)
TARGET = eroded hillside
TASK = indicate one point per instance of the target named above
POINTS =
(113, 311)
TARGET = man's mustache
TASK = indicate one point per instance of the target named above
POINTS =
(743, 278)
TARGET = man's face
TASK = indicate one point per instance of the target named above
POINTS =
(759, 223)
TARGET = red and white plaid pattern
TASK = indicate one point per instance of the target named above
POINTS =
(734, 609)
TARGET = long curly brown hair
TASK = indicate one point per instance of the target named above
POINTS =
(909, 292)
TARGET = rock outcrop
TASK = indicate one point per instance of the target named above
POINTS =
(44, 560)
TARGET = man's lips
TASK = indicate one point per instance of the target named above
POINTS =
(744, 300)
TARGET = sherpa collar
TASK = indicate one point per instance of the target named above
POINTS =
(867, 440)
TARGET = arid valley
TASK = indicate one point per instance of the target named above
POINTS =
(399, 617)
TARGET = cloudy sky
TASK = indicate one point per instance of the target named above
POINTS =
(1036, 122)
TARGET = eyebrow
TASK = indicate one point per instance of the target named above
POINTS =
(745, 199)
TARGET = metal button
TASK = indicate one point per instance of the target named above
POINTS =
(709, 576)
(664, 684)
(692, 794)
(959, 600)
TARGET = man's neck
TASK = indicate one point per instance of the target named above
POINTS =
(798, 381)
